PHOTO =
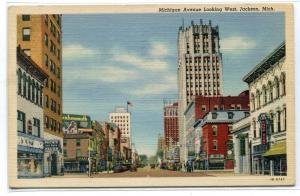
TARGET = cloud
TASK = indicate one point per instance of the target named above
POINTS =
(154, 88)
(237, 44)
(159, 49)
(140, 62)
(108, 74)
(77, 51)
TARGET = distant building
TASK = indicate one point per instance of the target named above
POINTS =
(122, 118)
(199, 69)
(171, 132)
(269, 107)
(30, 117)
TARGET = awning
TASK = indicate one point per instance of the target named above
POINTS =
(276, 149)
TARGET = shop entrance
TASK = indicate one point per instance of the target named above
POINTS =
(53, 164)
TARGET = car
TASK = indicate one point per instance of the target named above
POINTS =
(152, 166)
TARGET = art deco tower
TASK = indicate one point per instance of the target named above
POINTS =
(199, 67)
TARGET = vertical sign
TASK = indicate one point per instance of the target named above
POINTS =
(263, 128)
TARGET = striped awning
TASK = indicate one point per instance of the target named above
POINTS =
(276, 149)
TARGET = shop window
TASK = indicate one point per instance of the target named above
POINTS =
(26, 34)
(21, 122)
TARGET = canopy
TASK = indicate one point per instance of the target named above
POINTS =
(276, 149)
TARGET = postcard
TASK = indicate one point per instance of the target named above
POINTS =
(151, 96)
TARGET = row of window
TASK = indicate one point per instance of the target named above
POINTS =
(29, 88)
(205, 92)
(230, 115)
(205, 76)
(52, 124)
(199, 60)
(53, 29)
(119, 117)
(278, 123)
(222, 107)
(55, 89)
(53, 48)
(205, 68)
(31, 129)
(206, 84)
(270, 91)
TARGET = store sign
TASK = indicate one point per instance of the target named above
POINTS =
(72, 122)
(52, 145)
(264, 125)
(29, 142)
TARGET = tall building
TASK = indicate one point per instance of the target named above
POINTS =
(39, 36)
(122, 118)
(199, 68)
(171, 133)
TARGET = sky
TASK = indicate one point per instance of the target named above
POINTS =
(109, 59)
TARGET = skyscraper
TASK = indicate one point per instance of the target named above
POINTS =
(199, 68)
(39, 36)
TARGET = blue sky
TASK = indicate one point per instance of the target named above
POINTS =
(111, 58)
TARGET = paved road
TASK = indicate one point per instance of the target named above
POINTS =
(148, 172)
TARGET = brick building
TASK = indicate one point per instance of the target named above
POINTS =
(216, 151)
(200, 106)
(171, 132)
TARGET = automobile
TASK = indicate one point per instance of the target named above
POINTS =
(152, 166)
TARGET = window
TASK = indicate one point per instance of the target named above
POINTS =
(19, 82)
(252, 100)
(41, 97)
(258, 99)
(203, 108)
(24, 84)
(230, 115)
(78, 153)
(254, 128)
(33, 91)
(214, 115)
(46, 59)
(265, 98)
(278, 121)
(65, 142)
(215, 130)
(215, 145)
(29, 88)
(46, 122)
(58, 108)
(65, 152)
(46, 19)
(58, 72)
(238, 107)
(272, 122)
(242, 146)
(21, 122)
(277, 91)
(216, 107)
(36, 127)
(46, 40)
(232, 106)
(77, 142)
(26, 34)
(26, 17)
(283, 87)
(37, 94)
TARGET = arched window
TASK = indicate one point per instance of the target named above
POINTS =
(265, 100)
(282, 81)
(33, 91)
(19, 73)
(270, 88)
(276, 85)
(258, 98)
(252, 101)
(37, 93)
(29, 88)
(24, 84)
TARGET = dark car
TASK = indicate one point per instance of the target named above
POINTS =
(152, 166)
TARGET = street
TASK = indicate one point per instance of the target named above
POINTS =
(148, 172)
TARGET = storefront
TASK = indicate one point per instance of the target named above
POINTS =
(53, 158)
(276, 157)
(30, 156)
